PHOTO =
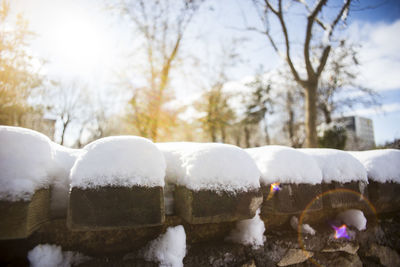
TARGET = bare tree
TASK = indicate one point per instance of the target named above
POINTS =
(338, 88)
(68, 102)
(314, 63)
(161, 26)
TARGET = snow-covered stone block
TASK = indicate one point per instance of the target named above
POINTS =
(290, 180)
(383, 170)
(26, 164)
(207, 206)
(344, 178)
(117, 182)
(19, 219)
(214, 182)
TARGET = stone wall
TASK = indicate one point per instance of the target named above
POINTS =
(111, 223)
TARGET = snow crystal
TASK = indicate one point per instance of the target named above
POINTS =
(354, 218)
(210, 166)
(285, 165)
(168, 249)
(64, 159)
(249, 232)
(119, 161)
(52, 255)
(337, 165)
(305, 228)
(382, 165)
(25, 162)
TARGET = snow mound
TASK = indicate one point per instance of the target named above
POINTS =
(382, 165)
(52, 255)
(354, 218)
(285, 165)
(210, 166)
(119, 161)
(337, 165)
(305, 228)
(249, 232)
(168, 249)
(64, 159)
(26, 159)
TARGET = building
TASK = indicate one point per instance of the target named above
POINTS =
(360, 132)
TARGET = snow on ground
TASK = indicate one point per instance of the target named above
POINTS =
(249, 232)
(285, 165)
(337, 165)
(52, 255)
(305, 228)
(168, 249)
(119, 161)
(25, 162)
(382, 164)
(210, 166)
(64, 159)
(354, 218)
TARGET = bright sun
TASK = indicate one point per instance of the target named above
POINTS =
(74, 37)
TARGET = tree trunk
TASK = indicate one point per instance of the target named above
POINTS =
(311, 114)
(247, 136)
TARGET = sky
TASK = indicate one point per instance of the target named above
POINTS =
(83, 40)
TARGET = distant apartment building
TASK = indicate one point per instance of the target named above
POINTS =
(360, 132)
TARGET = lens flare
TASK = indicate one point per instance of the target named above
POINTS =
(275, 187)
(341, 232)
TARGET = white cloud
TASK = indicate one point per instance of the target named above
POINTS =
(379, 54)
(384, 109)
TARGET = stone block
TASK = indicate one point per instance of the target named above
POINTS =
(108, 208)
(205, 206)
(291, 199)
(20, 219)
(385, 197)
(343, 196)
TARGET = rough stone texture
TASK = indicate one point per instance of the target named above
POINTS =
(291, 199)
(295, 256)
(387, 256)
(108, 208)
(339, 197)
(19, 219)
(384, 196)
(347, 247)
(204, 206)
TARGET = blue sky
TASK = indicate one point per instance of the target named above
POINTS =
(103, 43)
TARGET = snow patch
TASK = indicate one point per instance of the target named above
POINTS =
(285, 165)
(305, 228)
(64, 159)
(210, 166)
(249, 232)
(26, 159)
(168, 249)
(382, 165)
(52, 255)
(337, 165)
(119, 161)
(354, 218)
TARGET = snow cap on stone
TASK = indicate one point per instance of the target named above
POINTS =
(382, 164)
(337, 165)
(285, 165)
(26, 159)
(119, 161)
(210, 166)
